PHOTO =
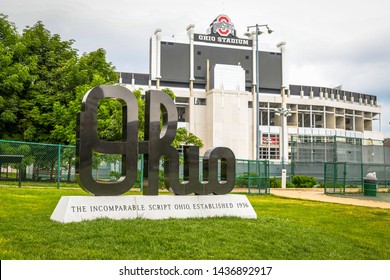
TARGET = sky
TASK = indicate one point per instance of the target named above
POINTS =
(329, 43)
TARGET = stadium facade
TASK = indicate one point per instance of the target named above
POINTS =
(214, 77)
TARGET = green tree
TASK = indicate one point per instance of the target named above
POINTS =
(14, 76)
(40, 75)
(43, 81)
(49, 84)
(64, 130)
(184, 137)
(91, 70)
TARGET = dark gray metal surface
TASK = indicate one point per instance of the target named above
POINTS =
(88, 141)
(158, 141)
(157, 144)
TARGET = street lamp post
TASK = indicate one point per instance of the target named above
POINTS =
(283, 113)
(257, 32)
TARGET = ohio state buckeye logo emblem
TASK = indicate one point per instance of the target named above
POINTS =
(223, 26)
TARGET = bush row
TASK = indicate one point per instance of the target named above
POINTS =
(297, 181)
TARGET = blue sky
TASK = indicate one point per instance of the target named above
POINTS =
(330, 43)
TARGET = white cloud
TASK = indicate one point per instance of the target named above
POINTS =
(330, 42)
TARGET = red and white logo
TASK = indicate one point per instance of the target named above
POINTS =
(223, 26)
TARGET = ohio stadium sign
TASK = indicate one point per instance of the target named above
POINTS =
(223, 26)
(222, 31)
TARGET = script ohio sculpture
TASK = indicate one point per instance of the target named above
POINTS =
(157, 144)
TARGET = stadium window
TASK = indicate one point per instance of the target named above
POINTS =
(181, 112)
(182, 100)
(200, 101)
(263, 118)
(273, 153)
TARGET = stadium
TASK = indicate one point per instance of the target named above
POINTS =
(234, 92)
(217, 77)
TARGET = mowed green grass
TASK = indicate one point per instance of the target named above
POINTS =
(285, 229)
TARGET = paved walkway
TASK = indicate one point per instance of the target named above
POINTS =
(382, 200)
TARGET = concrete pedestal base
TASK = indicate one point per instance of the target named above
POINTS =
(80, 208)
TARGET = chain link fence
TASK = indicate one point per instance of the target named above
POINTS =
(54, 165)
(253, 175)
(40, 162)
(310, 153)
(341, 176)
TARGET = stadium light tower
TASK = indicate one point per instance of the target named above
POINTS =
(257, 32)
(283, 113)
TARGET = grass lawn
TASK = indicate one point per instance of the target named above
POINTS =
(285, 229)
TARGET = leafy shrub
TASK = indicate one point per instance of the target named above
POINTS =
(115, 175)
(304, 181)
(289, 185)
(277, 183)
(161, 179)
(242, 180)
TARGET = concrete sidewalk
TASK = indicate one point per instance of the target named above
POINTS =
(382, 200)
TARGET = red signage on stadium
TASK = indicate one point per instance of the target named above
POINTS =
(223, 26)
(222, 31)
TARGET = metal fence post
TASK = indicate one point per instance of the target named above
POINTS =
(267, 176)
(59, 167)
(361, 174)
(345, 176)
(335, 177)
(292, 156)
(248, 182)
(325, 175)
(335, 149)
